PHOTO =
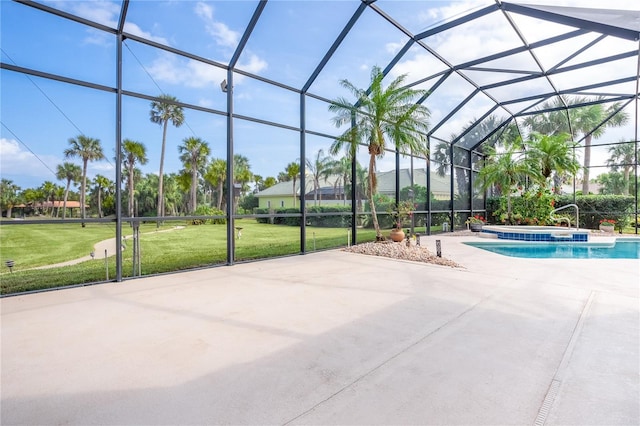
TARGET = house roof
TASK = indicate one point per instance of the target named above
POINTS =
(386, 184)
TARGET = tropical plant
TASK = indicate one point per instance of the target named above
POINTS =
(133, 152)
(318, 167)
(504, 170)
(269, 181)
(342, 169)
(163, 111)
(88, 149)
(8, 195)
(548, 154)
(101, 183)
(623, 156)
(242, 172)
(376, 115)
(293, 171)
(216, 175)
(590, 121)
(58, 195)
(194, 152)
(68, 172)
(612, 183)
(48, 189)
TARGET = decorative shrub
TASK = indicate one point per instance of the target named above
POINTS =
(208, 211)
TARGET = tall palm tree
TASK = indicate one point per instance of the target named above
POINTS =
(293, 171)
(71, 173)
(48, 189)
(194, 152)
(318, 168)
(163, 111)
(504, 170)
(88, 149)
(341, 168)
(242, 172)
(584, 120)
(380, 114)
(100, 183)
(133, 153)
(548, 154)
(58, 195)
(623, 155)
(216, 175)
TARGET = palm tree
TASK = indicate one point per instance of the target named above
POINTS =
(163, 111)
(71, 173)
(194, 152)
(147, 189)
(242, 172)
(269, 181)
(58, 195)
(547, 154)
(100, 182)
(341, 168)
(48, 189)
(8, 195)
(504, 170)
(380, 114)
(318, 168)
(623, 155)
(88, 149)
(293, 171)
(216, 175)
(584, 120)
(132, 152)
(259, 183)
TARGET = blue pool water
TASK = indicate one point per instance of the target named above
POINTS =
(621, 249)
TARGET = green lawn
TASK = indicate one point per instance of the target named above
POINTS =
(175, 249)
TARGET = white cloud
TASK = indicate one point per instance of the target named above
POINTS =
(254, 65)
(173, 70)
(134, 29)
(16, 160)
(106, 13)
(169, 69)
(394, 47)
(221, 33)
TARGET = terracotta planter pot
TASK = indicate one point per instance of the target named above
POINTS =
(397, 235)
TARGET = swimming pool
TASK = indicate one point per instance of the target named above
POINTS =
(621, 248)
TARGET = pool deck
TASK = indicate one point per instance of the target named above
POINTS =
(334, 338)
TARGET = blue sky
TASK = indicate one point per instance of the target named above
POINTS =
(40, 115)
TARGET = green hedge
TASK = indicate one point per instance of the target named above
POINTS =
(337, 221)
(592, 208)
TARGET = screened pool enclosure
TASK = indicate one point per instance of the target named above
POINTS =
(203, 135)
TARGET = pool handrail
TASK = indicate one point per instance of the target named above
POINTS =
(566, 207)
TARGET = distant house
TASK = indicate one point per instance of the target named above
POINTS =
(30, 208)
(329, 193)
(281, 195)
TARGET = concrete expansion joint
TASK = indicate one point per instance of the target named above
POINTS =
(429, 334)
(556, 381)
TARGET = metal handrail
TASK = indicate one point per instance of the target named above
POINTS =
(566, 207)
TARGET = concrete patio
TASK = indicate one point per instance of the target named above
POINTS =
(334, 338)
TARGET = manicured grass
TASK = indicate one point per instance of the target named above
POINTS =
(37, 245)
(176, 249)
